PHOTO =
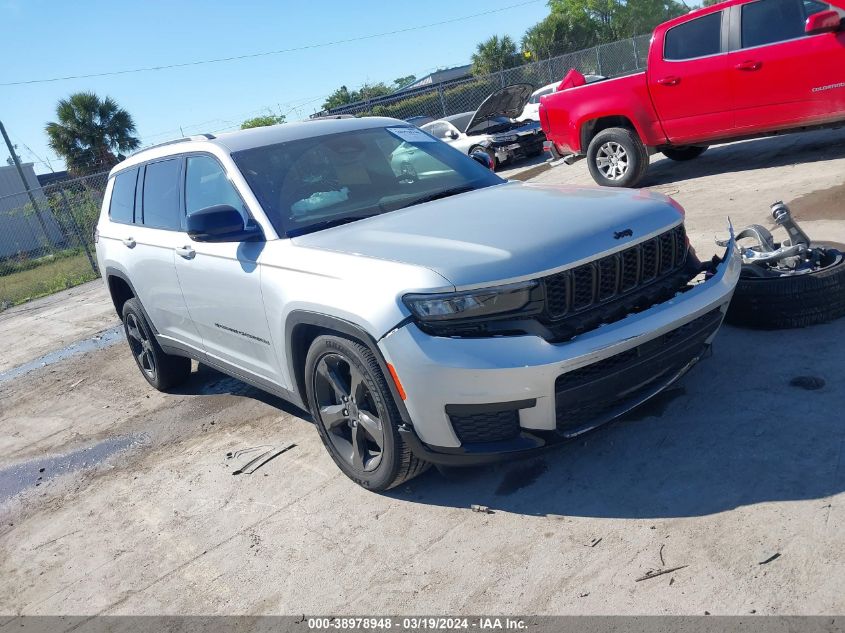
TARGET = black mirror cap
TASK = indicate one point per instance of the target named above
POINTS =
(483, 158)
(220, 223)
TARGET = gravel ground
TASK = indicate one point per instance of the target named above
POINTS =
(117, 499)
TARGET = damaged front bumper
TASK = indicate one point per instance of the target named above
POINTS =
(459, 389)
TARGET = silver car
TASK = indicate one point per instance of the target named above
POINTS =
(454, 318)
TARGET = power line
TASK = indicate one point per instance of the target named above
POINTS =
(267, 53)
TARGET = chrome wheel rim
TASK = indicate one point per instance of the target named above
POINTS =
(348, 413)
(612, 161)
(141, 345)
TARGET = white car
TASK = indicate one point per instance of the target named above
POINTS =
(493, 128)
(531, 111)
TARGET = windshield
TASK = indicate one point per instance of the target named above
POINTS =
(313, 183)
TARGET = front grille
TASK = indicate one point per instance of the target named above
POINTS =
(492, 426)
(603, 280)
(592, 393)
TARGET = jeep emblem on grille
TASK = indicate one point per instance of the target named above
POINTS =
(618, 235)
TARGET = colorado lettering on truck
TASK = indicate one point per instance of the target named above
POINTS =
(738, 69)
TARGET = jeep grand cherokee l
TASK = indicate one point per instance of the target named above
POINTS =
(450, 317)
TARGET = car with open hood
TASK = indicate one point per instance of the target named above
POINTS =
(414, 328)
(493, 128)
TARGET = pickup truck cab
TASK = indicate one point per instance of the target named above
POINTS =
(735, 70)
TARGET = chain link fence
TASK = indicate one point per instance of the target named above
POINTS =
(46, 238)
(463, 95)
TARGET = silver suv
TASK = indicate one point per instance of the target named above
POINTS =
(420, 307)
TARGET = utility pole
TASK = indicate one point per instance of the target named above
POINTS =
(26, 184)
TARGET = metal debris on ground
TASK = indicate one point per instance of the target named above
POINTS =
(257, 462)
(769, 559)
(77, 383)
(654, 573)
(595, 542)
(483, 509)
(662, 545)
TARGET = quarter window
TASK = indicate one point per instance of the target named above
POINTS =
(697, 38)
(769, 21)
(122, 207)
(206, 185)
(161, 195)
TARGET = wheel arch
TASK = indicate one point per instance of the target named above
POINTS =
(590, 128)
(302, 327)
(121, 290)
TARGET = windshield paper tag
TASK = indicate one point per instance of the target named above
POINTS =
(411, 134)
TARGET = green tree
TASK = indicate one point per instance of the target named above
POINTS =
(343, 96)
(91, 133)
(613, 20)
(338, 98)
(401, 82)
(263, 121)
(494, 54)
(557, 34)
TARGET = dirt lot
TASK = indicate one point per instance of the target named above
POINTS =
(117, 499)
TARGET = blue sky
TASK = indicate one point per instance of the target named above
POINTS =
(44, 39)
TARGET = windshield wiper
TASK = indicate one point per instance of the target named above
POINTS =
(437, 195)
(327, 224)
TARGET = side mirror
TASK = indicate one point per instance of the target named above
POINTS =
(220, 223)
(823, 22)
(484, 159)
(453, 135)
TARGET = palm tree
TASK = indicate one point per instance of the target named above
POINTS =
(494, 54)
(92, 133)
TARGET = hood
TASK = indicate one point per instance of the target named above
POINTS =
(509, 101)
(506, 232)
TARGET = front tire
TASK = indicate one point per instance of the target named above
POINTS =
(161, 370)
(617, 157)
(356, 416)
(488, 151)
(681, 154)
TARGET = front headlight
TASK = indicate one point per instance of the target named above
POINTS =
(470, 304)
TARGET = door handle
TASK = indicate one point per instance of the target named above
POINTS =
(671, 80)
(186, 252)
(749, 65)
(129, 242)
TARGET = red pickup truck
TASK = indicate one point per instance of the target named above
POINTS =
(738, 69)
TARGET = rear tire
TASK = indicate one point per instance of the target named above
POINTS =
(356, 416)
(681, 154)
(617, 157)
(789, 302)
(161, 370)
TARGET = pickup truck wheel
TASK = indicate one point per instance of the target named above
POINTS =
(791, 301)
(684, 153)
(161, 370)
(356, 416)
(617, 157)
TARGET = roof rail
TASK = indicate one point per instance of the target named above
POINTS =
(194, 137)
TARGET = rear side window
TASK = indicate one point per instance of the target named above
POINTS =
(770, 21)
(697, 38)
(161, 195)
(122, 207)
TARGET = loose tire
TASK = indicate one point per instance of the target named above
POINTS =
(356, 416)
(791, 301)
(617, 157)
(684, 153)
(161, 370)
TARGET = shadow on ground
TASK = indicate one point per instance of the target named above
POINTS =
(778, 151)
(207, 381)
(760, 420)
